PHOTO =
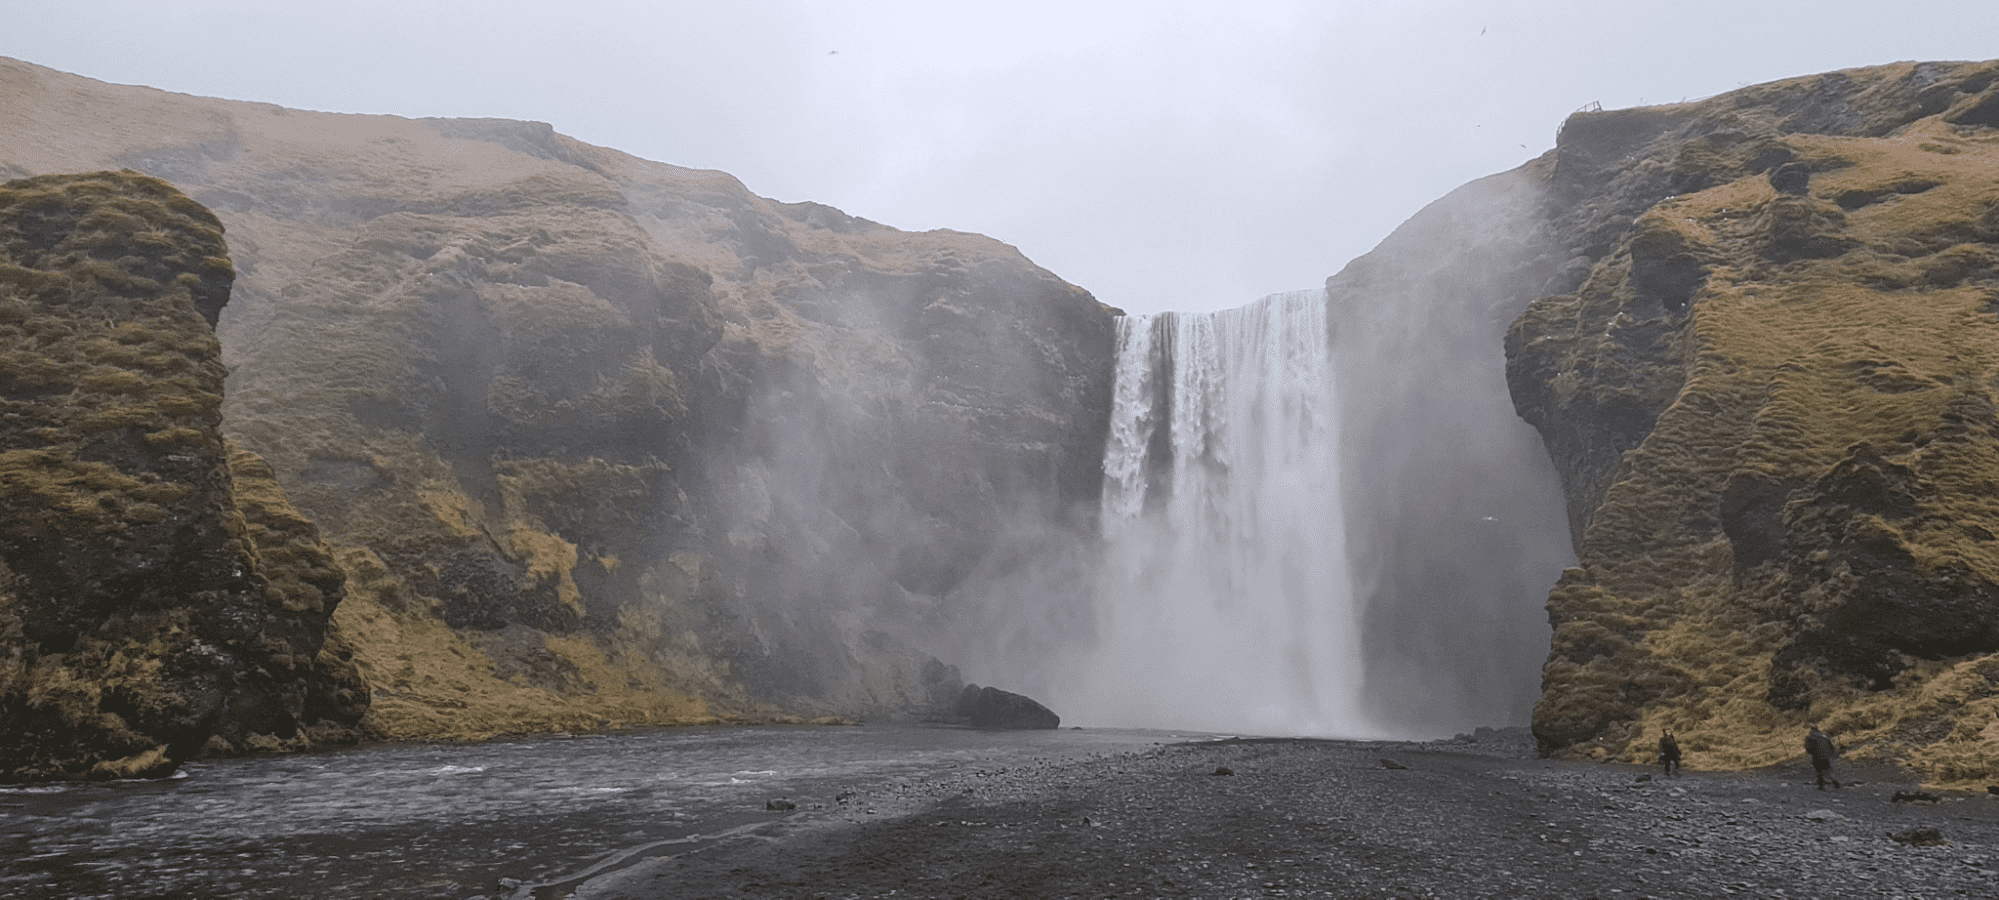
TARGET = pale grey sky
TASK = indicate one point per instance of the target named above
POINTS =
(1163, 154)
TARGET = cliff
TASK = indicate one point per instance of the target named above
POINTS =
(158, 595)
(596, 440)
(1766, 379)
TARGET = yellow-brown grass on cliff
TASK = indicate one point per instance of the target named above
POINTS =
(121, 233)
(300, 574)
(86, 349)
(179, 437)
(89, 497)
(532, 488)
(145, 358)
(1850, 316)
(1700, 667)
(1939, 720)
(1962, 698)
(153, 346)
(1889, 186)
(415, 505)
(547, 556)
(1860, 367)
(1722, 660)
(432, 683)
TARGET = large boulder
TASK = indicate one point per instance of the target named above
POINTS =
(990, 707)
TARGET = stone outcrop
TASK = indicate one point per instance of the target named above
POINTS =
(158, 594)
(596, 440)
(1768, 387)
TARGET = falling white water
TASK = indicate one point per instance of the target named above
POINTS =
(1226, 602)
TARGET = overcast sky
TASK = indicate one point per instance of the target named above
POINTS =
(1162, 154)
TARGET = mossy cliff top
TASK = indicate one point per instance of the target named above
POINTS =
(1766, 378)
(602, 441)
(145, 614)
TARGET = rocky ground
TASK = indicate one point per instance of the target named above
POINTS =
(1275, 818)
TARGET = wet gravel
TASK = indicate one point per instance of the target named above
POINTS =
(1306, 818)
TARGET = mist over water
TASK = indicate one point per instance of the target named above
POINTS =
(1317, 514)
(1320, 513)
(1225, 600)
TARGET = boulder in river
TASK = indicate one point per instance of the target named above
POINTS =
(989, 707)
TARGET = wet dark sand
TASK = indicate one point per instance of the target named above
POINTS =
(1328, 819)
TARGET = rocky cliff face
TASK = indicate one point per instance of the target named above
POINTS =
(158, 595)
(598, 440)
(1768, 386)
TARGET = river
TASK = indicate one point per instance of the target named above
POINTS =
(514, 818)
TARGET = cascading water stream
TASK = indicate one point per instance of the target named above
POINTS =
(1226, 603)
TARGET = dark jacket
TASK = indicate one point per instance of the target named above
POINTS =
(1818, 745)
(1669, 748)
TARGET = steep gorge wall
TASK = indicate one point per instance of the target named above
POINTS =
(597, 440)
(1768, 387)
(1454, 529)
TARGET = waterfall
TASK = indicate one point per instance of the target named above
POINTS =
(1225, 601)
(1320, 514)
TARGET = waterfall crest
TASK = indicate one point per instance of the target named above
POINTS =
(1225, 601)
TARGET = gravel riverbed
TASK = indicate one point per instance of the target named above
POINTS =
(1317, 818)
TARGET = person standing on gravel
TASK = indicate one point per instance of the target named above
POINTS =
(1669, 752)
(1818, 745)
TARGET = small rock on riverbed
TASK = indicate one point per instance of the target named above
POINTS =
(1918, 837)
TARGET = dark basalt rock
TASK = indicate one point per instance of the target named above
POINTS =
(1918, 837)
(989, 707)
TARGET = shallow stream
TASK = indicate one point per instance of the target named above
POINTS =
(512, 818)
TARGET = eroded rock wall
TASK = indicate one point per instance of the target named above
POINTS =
(597, 440)
(158, 596)
(1768, 389)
